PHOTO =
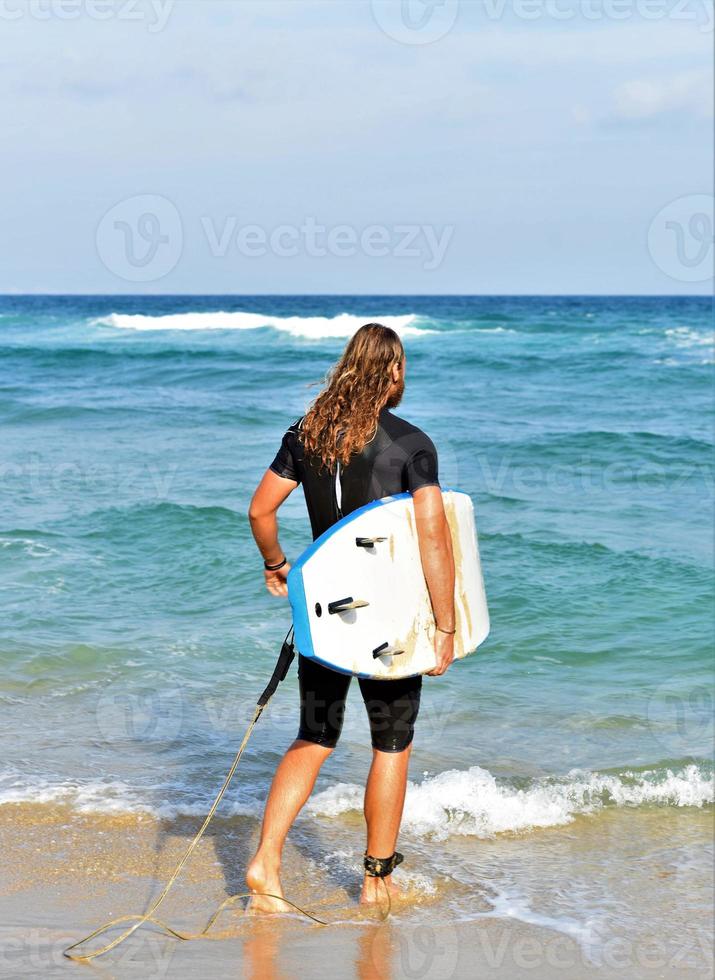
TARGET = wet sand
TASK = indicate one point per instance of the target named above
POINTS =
(62, 874)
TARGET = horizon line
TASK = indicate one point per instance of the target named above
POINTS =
(340, 295)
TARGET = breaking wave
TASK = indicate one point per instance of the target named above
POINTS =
(472, 802)
(311, 327)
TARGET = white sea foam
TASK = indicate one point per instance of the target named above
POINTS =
(687, 337)
(509, 903)
(468, 802)
(28, 546)
(472, 802)
(108, 797)
(311, 327)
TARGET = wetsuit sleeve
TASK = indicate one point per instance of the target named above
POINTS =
(285, 462)
(422, 467)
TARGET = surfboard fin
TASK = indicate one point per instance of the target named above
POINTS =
(342, 605)
(385, 651)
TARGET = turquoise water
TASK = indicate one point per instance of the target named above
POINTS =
(136, 634)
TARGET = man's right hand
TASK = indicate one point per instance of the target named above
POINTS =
(443, 651)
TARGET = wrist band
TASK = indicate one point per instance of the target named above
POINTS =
(448, 632)
(274, 568)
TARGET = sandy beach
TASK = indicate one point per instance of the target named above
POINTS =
(77, 871)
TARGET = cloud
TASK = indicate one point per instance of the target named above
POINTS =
(688, 92)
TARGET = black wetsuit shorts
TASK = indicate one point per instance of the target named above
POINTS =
(392, 706)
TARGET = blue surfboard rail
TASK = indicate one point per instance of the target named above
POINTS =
(296, 585)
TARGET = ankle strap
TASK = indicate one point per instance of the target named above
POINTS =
(382, 867)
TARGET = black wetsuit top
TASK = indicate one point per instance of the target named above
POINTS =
(400, 457)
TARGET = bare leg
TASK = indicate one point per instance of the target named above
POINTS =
(291, 787)
(384, 802)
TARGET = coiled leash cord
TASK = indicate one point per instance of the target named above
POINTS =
(285, 659)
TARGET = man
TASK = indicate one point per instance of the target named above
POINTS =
(347, 451)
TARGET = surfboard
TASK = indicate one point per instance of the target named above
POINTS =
(359, 598)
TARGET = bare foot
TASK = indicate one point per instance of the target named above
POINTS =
(264, 879)
(373, 890)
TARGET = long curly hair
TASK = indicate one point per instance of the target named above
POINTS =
(343, 418)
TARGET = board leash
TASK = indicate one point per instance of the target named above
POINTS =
(285, 659)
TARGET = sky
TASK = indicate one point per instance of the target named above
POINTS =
(349, 146)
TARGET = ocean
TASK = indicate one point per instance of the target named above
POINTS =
(563, 774)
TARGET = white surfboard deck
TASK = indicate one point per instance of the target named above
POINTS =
(385, 585)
